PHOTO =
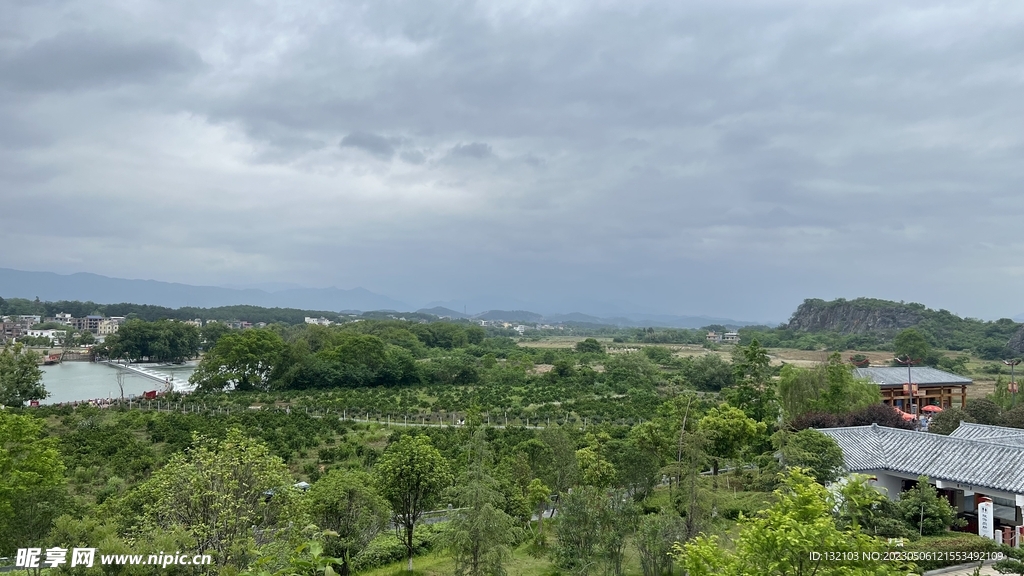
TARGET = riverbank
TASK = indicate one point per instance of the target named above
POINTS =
(71, 382)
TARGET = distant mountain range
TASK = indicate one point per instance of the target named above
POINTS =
(106, 290)
(83, 286)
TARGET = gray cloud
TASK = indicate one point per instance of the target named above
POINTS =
(702, 157)
(476, 150)
(78, 60)
(413, 157)
(372, 143)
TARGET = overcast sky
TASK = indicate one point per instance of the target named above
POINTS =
(700, 157)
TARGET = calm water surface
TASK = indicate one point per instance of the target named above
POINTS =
(76, 381)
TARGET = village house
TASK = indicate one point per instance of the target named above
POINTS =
(928, 387)
(977, 468)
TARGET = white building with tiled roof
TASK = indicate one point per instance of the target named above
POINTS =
(974, 461)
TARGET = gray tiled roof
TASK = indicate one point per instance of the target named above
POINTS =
(897, 376)
(990, 434)
(951, 458)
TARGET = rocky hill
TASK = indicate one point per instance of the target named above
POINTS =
(1016, 343)
(858, 316)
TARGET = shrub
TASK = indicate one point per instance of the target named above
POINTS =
(816, 420)
(881, 414)
(948, 420)
(746, 503)
(1013, 418)
(387, 548)
(951, 542)
(983, 410)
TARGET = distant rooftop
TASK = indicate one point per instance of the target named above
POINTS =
(897, 376)
(990, 434)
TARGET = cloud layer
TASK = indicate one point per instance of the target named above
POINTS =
(724, 158)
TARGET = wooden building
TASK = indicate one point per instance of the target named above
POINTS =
(927, 387)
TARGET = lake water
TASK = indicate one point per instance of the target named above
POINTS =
(77, 381)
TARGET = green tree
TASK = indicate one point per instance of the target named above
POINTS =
(658, 354)
(948, 420)
(578, 532)
(594, 469)
(780, 540)
(618, 523)
(589, 346)
(245, 358)
(229, 496)
(538, 496)
(862, 507)
(752, 364)
(345, 503)
(630, 370)
(655, 535)
(411, 476)
(30, 468)
(924, 511)
(813, 451)
(753, 392)
(728, 431)
(830, 387)
(556, 462)
(708, 373)
(212, 332)
(480, 534)
(162, 341)
(912, 344)
(21, 380)
(983, 411)
(638, 460)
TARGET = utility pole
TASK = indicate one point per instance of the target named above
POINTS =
(906, 359)
(1013, 382)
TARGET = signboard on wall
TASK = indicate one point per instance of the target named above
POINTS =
(985, 524)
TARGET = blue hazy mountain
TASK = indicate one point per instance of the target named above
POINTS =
(83, 286)
(105, 290)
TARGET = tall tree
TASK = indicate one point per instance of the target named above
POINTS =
(480, 534)
(618, 523)
(411, 476)
(245, 359)
(558, 466)
(346, 503)
(913, 344)
(728, 431)
(829, 387)
(578, 530)
(21, 380)
(30, 466)
(809, 449)
(594, 469)
(924, 510)
(229, 496)
(753, 392)
(655, 535)
(538, 495)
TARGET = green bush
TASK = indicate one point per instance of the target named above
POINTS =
(950, 542)
(746, 503)
(387, 548)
